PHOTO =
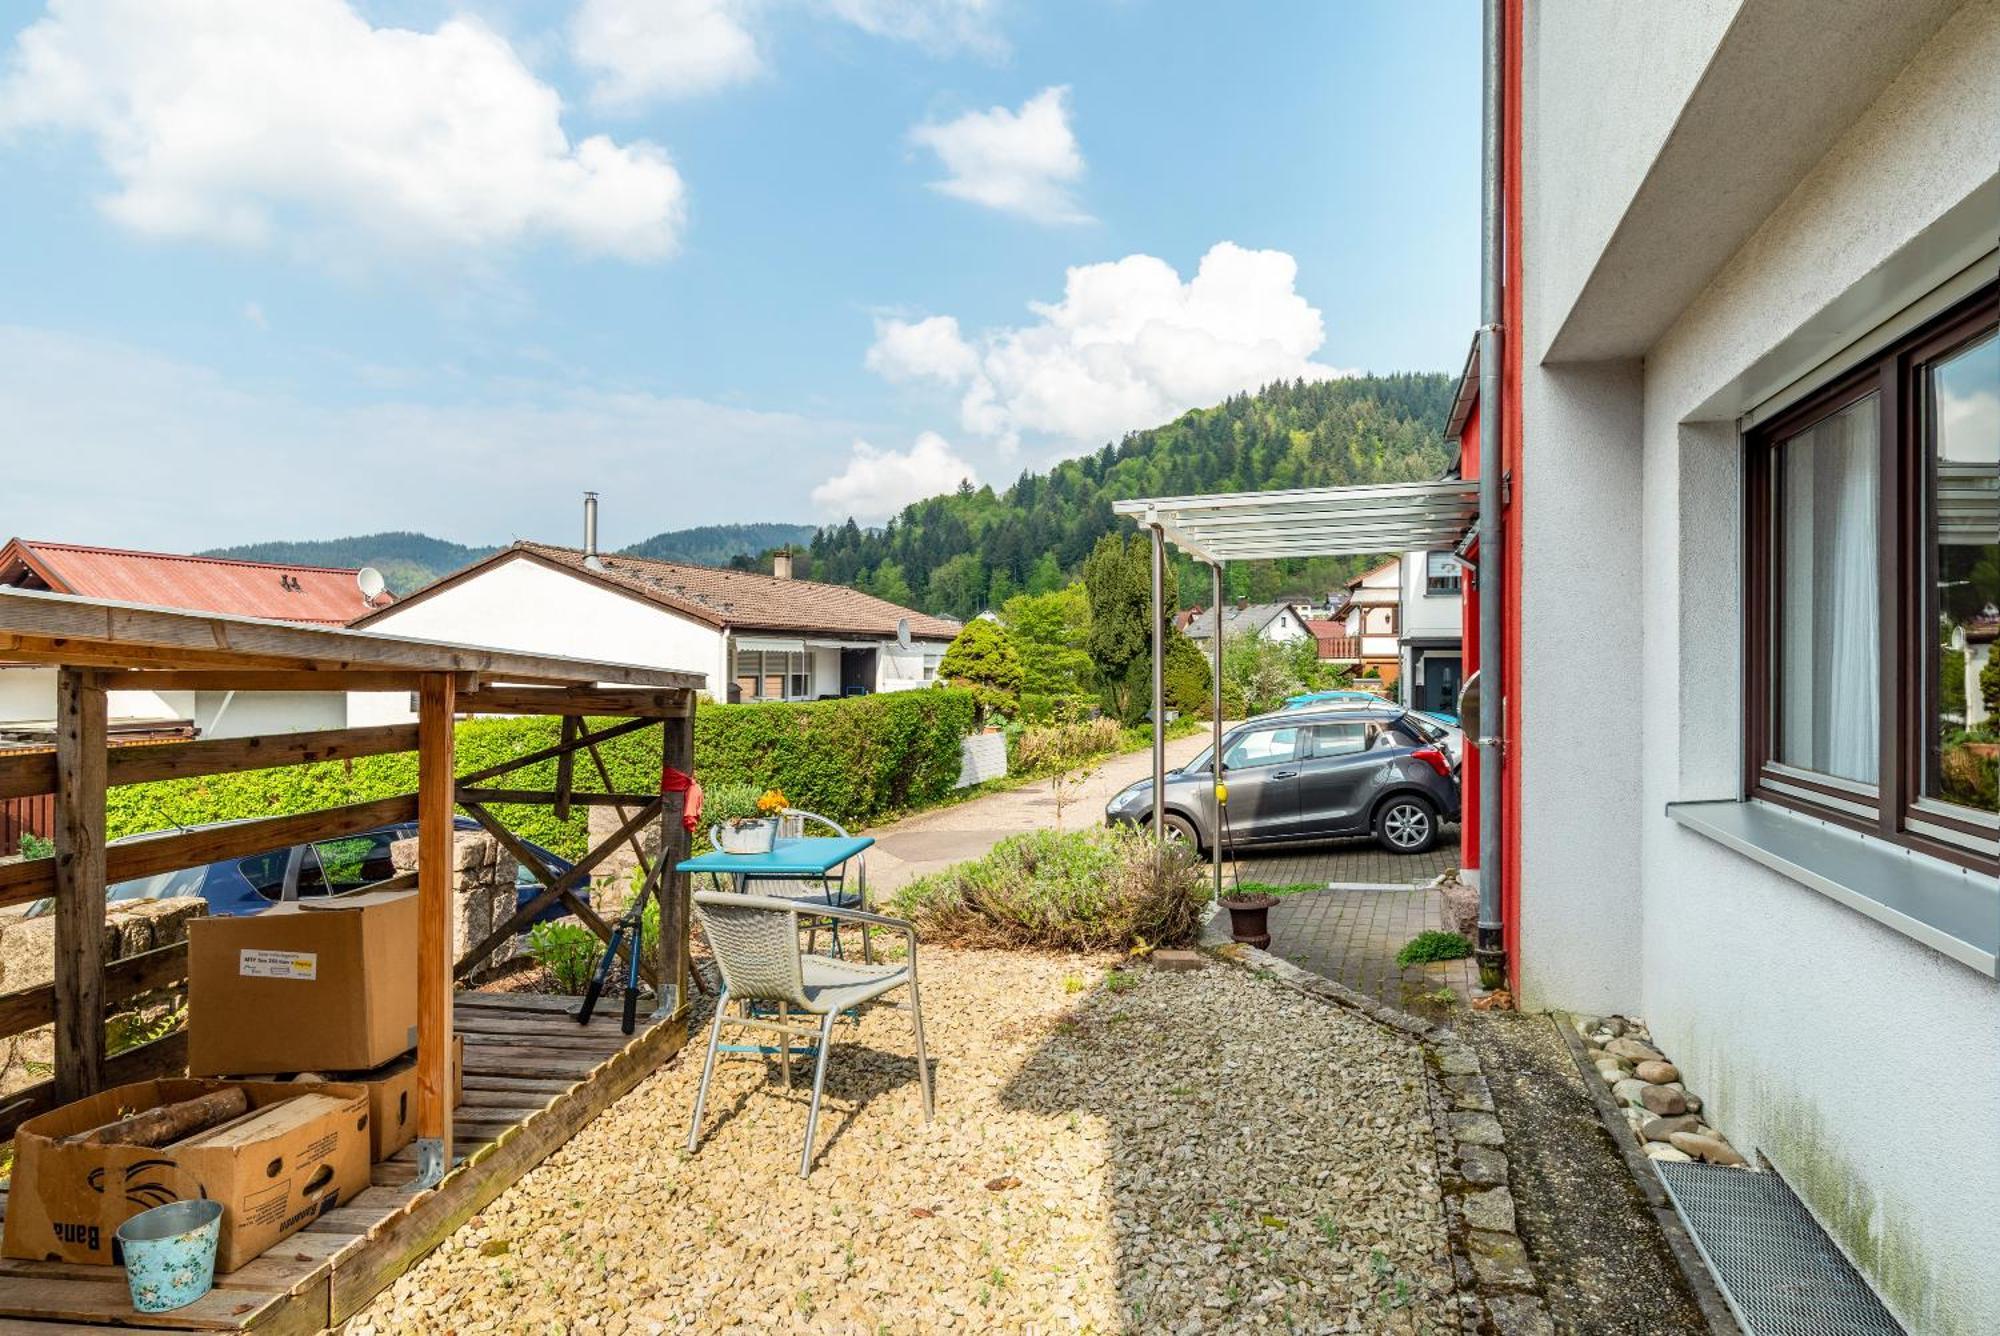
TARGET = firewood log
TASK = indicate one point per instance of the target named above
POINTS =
(168, 1122)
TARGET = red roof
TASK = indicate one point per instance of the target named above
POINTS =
(1326, 633)
(320, 595)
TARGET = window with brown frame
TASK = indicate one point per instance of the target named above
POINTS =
(1873, 595)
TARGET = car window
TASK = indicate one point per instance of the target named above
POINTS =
(266, 872)
(159, 886)
(1261, 746)
(347, 864)
(1327, 740)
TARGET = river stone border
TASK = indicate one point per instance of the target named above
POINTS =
(1498, 1292)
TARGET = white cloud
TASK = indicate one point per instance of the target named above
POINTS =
(242, 121)
(878, 483)
(941, 26)
(1128, 346)
(253, 315)
(181, 458)
(922, 349)
(1020, 162)
(642, 49)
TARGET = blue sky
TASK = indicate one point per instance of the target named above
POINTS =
(313, 268)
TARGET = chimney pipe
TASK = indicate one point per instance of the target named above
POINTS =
(781, 563)
(590, 532)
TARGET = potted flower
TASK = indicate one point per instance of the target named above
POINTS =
(752, 834)
(1249, 911)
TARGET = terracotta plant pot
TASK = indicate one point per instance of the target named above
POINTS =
(1247, 919)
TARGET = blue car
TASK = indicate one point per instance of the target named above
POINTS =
(1313, 699)
(237, 886)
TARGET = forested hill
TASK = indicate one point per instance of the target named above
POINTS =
(959, 553)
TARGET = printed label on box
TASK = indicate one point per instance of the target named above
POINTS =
(259, 964)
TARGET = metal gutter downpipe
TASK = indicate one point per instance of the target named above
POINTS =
(1215, 727)
(1159, 683)
(1490, 950)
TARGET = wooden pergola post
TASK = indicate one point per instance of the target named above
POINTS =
(79, 925)
(436, 783)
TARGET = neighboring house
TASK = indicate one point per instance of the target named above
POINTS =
(1372, 621)
(1749, 432)
(752, 636)
(1280, 623)
(1403, 619)
(316, 595)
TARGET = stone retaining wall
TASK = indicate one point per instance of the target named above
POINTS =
(483, 892)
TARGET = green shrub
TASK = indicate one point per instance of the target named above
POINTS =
(1045, 749)
(853, 760)
(984, 661)
(568, 951)
(1089, 890)
(1184, 680)
(1427, 947)
(34, 846)
(1989, 683)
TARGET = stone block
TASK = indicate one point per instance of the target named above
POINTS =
(1478, 1129)
(1499, 1259)
(1175, 961)
(618, 864)
(1492, 1209)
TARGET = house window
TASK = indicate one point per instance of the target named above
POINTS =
(1442, 574)
(1874, 593)
(770, 674)
(932, 658)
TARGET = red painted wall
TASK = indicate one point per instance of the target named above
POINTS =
(1468, 467)
(1510, 454)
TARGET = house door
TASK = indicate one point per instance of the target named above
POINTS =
(1443, 675)
(857, 672)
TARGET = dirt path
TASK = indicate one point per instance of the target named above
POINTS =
(930, 841)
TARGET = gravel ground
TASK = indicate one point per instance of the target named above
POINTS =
(1603, 1264)
(1137, 1151)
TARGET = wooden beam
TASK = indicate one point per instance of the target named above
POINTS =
(30, 773)
(550, 753)
(124, 980)
(673, 886)
(174, 638)
(266, 679)
(435, 863)
(566, 766)
(546, 797)
(573, 701)
(79, 876)
(27, 881)
(554, 887)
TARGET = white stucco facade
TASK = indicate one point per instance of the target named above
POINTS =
(1677, 278)
(527, 605)
(28, 696)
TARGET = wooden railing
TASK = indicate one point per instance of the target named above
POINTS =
(1340, 647)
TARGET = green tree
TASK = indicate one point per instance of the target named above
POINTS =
(1989, 683)
(1184, 679)
(1051, 632)
(888, 583)
(958, 587)
(983, 660)
(1117, 578)
(1045, 576)
(1000, 589)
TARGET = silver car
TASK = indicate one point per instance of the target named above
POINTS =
(1310, 775)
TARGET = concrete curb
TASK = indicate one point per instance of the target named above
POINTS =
(1497, 1288)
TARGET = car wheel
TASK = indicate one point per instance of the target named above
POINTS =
(1406, 825)
(1179, 828)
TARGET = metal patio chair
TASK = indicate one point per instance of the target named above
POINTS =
(832, 890)
(755, 941)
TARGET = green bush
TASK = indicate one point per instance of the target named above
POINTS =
(984, 661)
(1046, 748)
(1090, 890)
(1989, 682)
(1184, 680)
(568, 951)
(853, 760)
(34, 846)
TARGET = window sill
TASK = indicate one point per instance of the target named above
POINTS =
(1950, 909)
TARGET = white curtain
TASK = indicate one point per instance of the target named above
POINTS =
(1830, 634)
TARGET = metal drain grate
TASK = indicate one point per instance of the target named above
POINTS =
(1777, 1268)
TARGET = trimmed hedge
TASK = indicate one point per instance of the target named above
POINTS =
(853, 760)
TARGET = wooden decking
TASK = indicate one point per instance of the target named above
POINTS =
(533, 1077)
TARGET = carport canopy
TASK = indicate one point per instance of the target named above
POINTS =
(1295, 522)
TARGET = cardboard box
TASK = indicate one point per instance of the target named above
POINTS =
(308, 986)
(392, 1098)
(272, 1178)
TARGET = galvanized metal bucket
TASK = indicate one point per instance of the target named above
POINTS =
(170, 1254)
(749, 838)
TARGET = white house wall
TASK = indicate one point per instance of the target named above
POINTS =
(524, 605)
(1428, 616)
(1861, 1062)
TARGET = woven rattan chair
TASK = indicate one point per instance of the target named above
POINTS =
(755, 941)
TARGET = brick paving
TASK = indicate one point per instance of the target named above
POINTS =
(1352, 935)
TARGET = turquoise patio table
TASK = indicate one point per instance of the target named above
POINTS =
(802, 858)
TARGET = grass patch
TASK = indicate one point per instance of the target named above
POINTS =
(1280, 889)
(1427, 947)
(1087, 890)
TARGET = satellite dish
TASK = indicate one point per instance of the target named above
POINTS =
(903, 632)
(1468, 707)
(372, 584)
